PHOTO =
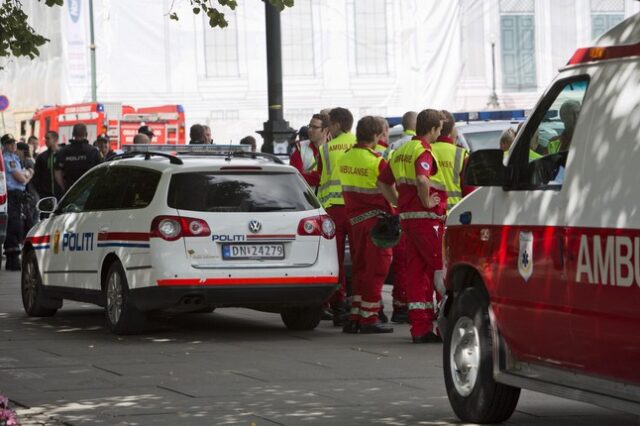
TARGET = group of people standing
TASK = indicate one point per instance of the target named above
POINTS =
(50, 174)
(361, 178)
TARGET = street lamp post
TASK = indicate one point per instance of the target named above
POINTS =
(493, 97)
(276, 129)
(92, 46)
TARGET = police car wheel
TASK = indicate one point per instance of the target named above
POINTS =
(302, 318)
(122, 316)
(35, 303)
(468, 364)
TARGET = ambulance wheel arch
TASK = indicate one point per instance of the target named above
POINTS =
(461, 278)
(468, 362)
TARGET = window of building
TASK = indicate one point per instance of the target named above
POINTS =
(297, 40)
(221, 48)
(605, 14)
(370, 36)
(517, 36)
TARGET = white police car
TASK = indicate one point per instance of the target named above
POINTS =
(185, 233)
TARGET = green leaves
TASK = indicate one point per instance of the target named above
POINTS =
(17, 37)
(216, 14)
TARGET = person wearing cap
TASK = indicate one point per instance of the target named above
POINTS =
(76, 158)
(104, 147)
(17, 178)
(145, 130)
(43, 179)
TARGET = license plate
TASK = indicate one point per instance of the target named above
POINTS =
(252, 251)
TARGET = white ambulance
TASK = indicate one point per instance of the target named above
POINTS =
(184, 232)
(543, 261)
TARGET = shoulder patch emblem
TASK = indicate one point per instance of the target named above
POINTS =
(425, 165)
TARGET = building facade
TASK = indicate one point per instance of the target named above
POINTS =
(380, 57)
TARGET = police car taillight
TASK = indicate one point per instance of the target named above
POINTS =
(317, 225)
(171, 228)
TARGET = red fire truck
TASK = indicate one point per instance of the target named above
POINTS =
(120, 122)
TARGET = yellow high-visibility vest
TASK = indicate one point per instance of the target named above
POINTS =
(359, 171)
(330, 189)
(403, 167)
(451, 159)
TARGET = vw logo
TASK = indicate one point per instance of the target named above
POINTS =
(255, 226)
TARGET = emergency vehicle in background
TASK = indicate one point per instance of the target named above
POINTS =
(120, 122)
(542, 262)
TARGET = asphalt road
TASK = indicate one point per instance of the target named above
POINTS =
(233, 366)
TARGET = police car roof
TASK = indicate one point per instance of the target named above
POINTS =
(486, 126)
(209, 163)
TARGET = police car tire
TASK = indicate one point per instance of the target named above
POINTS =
(488, 401)
(35, 304)
(302, 318)
(131, 320)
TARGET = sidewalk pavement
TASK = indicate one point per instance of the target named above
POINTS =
(234, 366)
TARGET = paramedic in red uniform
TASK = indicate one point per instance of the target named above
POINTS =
(359, 169)
(330, 195)
(306, 155)
(422, 207)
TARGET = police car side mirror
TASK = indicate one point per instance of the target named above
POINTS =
(486, 168)
(47, 205)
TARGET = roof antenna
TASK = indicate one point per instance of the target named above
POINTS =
(228, 158)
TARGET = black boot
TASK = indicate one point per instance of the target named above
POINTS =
(13, 262)
(400, 315)
(340, 313)
(383, 317)
(427, 338)
(351, 327)
(376, 328)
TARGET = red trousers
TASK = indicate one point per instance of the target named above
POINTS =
(343, 229)
(400, 276)
(424, 257)
(371, 266)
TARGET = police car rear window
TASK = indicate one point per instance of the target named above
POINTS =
(240, 192)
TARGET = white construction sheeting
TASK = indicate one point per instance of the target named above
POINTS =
(378, 57)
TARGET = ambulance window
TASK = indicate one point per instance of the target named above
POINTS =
(75, 200)
(548, 136)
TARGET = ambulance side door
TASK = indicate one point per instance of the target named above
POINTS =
(531, 299)
(604, 228)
